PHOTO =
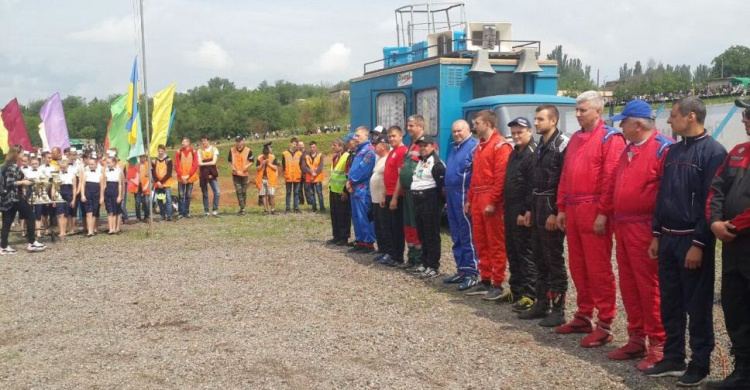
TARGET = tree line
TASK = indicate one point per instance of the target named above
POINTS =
(218, 109)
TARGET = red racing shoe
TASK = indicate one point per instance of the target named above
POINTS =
(655, 355)
(600, 336)
(634, 349)
(579, 324)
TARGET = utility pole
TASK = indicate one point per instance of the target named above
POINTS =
(150, 231)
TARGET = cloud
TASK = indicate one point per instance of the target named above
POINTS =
(210, 55)
(334, 60)
(108, 31)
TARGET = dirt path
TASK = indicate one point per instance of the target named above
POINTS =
(259, 302)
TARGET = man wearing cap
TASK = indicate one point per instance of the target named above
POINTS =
(358, 185)
(341, 212)
(485, 203)
(584, 212)
(728, 212)
(393, 224)
(684, 245)
(457, 180)
(637, 179)
(427, 190)
(517, 229)
(240, 160)
(547, 240)
(415, 128)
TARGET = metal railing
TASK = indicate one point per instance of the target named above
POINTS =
(517, 45)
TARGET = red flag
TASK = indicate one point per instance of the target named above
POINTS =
(13, 120)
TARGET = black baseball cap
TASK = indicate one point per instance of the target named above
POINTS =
(378, 138)
(520, 121)
(425, 139)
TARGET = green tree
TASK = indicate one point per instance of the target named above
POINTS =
(733, 62)
(574, 76)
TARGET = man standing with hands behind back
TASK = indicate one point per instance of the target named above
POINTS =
(684, 245)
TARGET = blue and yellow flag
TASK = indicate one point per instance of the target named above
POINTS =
(132, 104)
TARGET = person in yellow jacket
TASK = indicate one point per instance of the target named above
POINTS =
(290, 164)
(266, 179)
(341, 212)
(313, 168)
(240, 160)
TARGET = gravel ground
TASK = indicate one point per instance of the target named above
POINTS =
(259, 302)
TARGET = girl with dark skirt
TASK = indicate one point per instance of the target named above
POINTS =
(68, 191)
(113, 194)
(91, 188)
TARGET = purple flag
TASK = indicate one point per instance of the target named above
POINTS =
(53, 116)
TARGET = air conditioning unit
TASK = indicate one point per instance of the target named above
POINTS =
(493, 37)
(439, 43)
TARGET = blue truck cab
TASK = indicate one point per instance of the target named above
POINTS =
(454, 74)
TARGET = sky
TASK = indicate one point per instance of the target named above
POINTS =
(86, 48)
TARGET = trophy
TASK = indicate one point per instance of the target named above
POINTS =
(40, 187)
(56, 183)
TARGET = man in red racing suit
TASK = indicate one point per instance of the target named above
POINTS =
(634, 191)
(585, 207)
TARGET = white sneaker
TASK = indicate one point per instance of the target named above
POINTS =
(38, 244)
(215, 213)
(32, 248)
(8, 251)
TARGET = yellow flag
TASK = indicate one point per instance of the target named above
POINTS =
(160, 120)
(3, 137)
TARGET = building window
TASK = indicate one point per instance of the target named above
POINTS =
(391, 109)
(501, 83)
(427, 106)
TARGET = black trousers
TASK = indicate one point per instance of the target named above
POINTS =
(378, 219)
(25, 211)
(341, 217)
(520, 255)
(427, 215)
(686, 293)
(547, 249)
(393, 230)
(735, 295)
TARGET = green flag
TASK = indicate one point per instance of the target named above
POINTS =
(118, 134)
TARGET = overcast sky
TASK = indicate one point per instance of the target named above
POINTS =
(86, 48)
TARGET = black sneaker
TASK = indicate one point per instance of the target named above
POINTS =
(366, 250)
(469, 282)
(458, 277)
(332, 241)
(406, 266)
(418, 269)
(493, 294)
(666, 368)
(429, 273)
(392, 263)
(355, 249)
(693, 377)
(342, 243)
(479, 289)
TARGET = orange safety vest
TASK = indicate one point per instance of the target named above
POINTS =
(239, 161)
(292, 171)
(132, 172)
(143, 171)
(161, 172)
(313, 164)
(186, 164)
(271, 175)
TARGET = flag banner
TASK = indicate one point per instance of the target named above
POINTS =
(171, 123)
(43, 137)
(3, 137)
(132, 103)
(137, 149)
(15, 125)
(118, 134)
(161, 118)
(53, 117)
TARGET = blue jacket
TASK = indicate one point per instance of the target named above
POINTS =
(362, 165)
(459, 166)
(689, 168)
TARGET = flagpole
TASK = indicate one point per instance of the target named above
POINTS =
(148, 129)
